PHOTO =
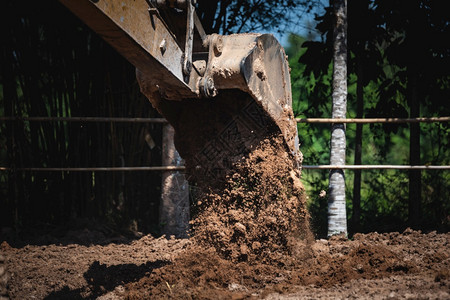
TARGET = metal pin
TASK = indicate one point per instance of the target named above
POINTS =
(162, 46)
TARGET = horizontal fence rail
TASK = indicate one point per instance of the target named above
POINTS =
(374, 120)
(182, 168)
(103, 169)
(379, 167)
(85, 119)
(163, 120)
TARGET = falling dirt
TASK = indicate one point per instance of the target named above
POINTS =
(259, 212)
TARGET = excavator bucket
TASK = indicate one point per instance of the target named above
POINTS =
(247, 99)
(222, 94)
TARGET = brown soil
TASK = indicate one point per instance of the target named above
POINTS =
(408, 265)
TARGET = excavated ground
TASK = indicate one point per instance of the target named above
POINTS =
(250, 239)
(408, 265)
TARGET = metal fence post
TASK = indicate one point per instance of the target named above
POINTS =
(174, 205)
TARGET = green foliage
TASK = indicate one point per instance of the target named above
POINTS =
(384, 45)
(314, 138)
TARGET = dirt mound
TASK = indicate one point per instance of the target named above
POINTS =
(251, 237)
(246, 233)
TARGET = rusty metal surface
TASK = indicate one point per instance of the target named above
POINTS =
(187, 59)
(255, 64)
(139, 36)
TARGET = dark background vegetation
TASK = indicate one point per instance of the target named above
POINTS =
(51, 64)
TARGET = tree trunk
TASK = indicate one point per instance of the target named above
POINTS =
(356, 215)
(337, 216)
(174, 206)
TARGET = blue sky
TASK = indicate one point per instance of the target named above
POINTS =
(304, 26)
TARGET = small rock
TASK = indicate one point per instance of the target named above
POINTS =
(256, 245)
(234, 287)
(240, 227)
